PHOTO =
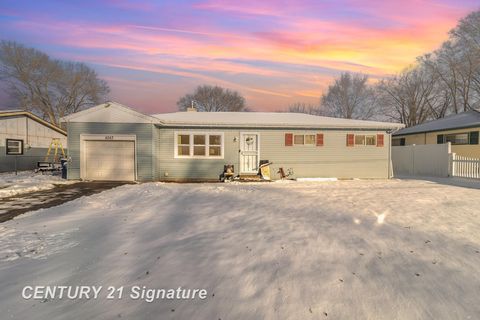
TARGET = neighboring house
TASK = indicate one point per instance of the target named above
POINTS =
(114, 142)
(461, 130)
(25, 139)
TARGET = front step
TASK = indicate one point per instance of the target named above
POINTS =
(249, 177)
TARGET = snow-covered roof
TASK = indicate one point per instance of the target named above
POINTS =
(117, 113)
(456, 121)
(266, 119)
(110, 111)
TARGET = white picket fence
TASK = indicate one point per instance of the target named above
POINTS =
(464, 166)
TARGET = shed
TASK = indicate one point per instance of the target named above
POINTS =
(25, 139)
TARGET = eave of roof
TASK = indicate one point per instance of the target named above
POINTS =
(464, 120)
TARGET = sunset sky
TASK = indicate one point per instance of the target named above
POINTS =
(273, 52)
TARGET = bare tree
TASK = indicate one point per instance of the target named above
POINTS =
(213, 99)
(406, 98)
(466, 36)
(442, 82)
(48, 87)
(350, 97)
(301, 107)
(456, 64)
(468, 30)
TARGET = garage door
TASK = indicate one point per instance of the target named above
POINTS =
(110, 160)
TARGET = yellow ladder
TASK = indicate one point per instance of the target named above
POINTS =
(55, 145)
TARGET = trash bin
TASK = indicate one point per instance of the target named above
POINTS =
(63, 162)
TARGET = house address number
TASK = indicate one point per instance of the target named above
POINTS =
(108, 137)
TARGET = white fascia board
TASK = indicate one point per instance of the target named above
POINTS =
(386, 126)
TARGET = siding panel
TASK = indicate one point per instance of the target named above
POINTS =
(334, 159)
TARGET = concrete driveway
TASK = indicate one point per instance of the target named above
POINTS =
(11, 207)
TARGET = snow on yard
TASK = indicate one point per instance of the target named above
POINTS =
(399, 249)
(27, 181)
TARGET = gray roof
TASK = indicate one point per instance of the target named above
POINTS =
(266, 119)
(455, 121)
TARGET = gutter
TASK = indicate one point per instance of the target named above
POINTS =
(273, 126)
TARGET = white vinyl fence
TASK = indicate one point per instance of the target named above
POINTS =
(433, 160)
(465, 167)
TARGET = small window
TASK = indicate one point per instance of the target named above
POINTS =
(458, 138)
(440, 138)
(183, 141)
(473, 137)
(215, 145)
(299, 139)
(359, 140)
(14, 147)
(398, 142)
(371, 140)
(304, 139)
(365, 140)
(310, 139)
(199, 145)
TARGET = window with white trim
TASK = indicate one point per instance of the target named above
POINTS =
(304, 139)
(365, 140)
(14, 147)
(199, 145)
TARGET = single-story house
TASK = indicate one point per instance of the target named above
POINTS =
(461, 130)
(25, 139)
(114, 142)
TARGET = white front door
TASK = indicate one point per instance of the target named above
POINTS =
(249, 152)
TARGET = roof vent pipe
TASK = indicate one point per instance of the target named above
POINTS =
(192, 108)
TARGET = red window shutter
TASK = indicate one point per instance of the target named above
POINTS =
(319, 139)
(350, 140)
(379, 140)
(288, 139)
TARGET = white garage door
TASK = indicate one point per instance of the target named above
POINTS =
(110, 160)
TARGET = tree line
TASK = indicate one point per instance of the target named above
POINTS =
(439, 83)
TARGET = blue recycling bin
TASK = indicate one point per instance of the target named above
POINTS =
(63, 162)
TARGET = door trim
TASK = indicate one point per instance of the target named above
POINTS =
(106, 137)
(240, 150)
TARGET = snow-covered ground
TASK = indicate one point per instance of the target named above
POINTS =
(399, 249)
(27, 181)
